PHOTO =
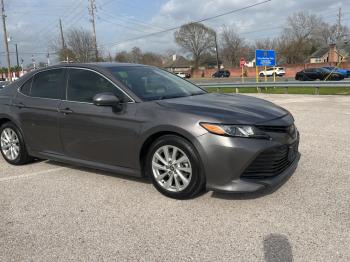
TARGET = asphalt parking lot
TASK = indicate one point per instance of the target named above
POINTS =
(54, 212)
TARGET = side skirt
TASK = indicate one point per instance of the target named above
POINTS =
(88, 164)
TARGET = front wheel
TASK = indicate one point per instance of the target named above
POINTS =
(13, 148)
(174, 167)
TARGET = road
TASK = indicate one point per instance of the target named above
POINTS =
(237, 80)
(249, 80)
(55, 212)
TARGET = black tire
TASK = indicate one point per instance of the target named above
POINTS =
(23, 157)
(197, 181)
(261, 75)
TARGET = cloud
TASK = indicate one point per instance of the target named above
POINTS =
(34, 24)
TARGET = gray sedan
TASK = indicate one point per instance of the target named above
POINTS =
(142, 121)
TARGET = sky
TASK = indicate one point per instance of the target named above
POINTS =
(33, 24)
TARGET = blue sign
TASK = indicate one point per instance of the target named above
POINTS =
(265, 57)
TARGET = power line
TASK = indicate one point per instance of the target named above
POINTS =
(199, 21)
(135, 21)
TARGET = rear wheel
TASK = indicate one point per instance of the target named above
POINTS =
(12, 145)
(174, 168)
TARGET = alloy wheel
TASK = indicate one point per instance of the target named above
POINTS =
(10, 146)
(171, 168)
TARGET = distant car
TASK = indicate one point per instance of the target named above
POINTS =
(342, 71)
(183, 75)
(271, 71)
(221, 73)
(321, 73)
(3, 84)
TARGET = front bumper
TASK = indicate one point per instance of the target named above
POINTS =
(244, 185)
(226, 158)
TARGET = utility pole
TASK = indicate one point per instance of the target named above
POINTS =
(62, 36)
(339, 30)
(17, 55)
(33, 61)
(217, 51)
(92, 13)
(5, 39)
(22, 69)
(339, 17)
(62, 40)
(48, 59)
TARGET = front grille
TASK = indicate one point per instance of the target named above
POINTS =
(272, 162)
(291, 130)
(277, 129)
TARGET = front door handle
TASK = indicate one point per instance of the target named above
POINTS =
(65, 111)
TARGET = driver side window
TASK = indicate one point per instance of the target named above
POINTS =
(83, 85)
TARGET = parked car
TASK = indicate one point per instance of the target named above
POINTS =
(221, 73)
(271, 71)
(3, 84)
(183, 75)
(142, 121)
(344, 72)
(318, 74)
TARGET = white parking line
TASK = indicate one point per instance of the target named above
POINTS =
(4, 179)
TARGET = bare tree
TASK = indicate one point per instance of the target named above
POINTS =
(266, 44)
(153, 59)
(328, 33)
(123, 57)
(81, 43)
(79, 46)
(137, 56)
(299, 38)
(195, 38)
(233, 47)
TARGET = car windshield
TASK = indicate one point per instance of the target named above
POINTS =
(150, 83)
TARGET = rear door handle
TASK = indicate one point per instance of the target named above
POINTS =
(19, 105)
(65, 111)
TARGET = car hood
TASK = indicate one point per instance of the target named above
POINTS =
(225, 108)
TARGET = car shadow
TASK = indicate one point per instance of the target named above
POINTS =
(277, 248)
(144, 180)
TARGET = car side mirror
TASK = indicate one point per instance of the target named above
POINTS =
(106, 99)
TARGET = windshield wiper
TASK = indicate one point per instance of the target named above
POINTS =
(170, 97)
(197, 94)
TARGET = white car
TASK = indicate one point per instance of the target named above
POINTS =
(183, 75)
(277, 71)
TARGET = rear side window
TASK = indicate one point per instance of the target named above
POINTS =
(27, 87)
(83, 85)
(47, 84)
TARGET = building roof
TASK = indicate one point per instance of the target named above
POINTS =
(342, 48)
(320, 52)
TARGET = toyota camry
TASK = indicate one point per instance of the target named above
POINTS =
(146, 122)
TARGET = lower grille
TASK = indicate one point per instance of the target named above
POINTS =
(272, 162)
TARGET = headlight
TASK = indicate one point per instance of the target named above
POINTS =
(235, 130)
